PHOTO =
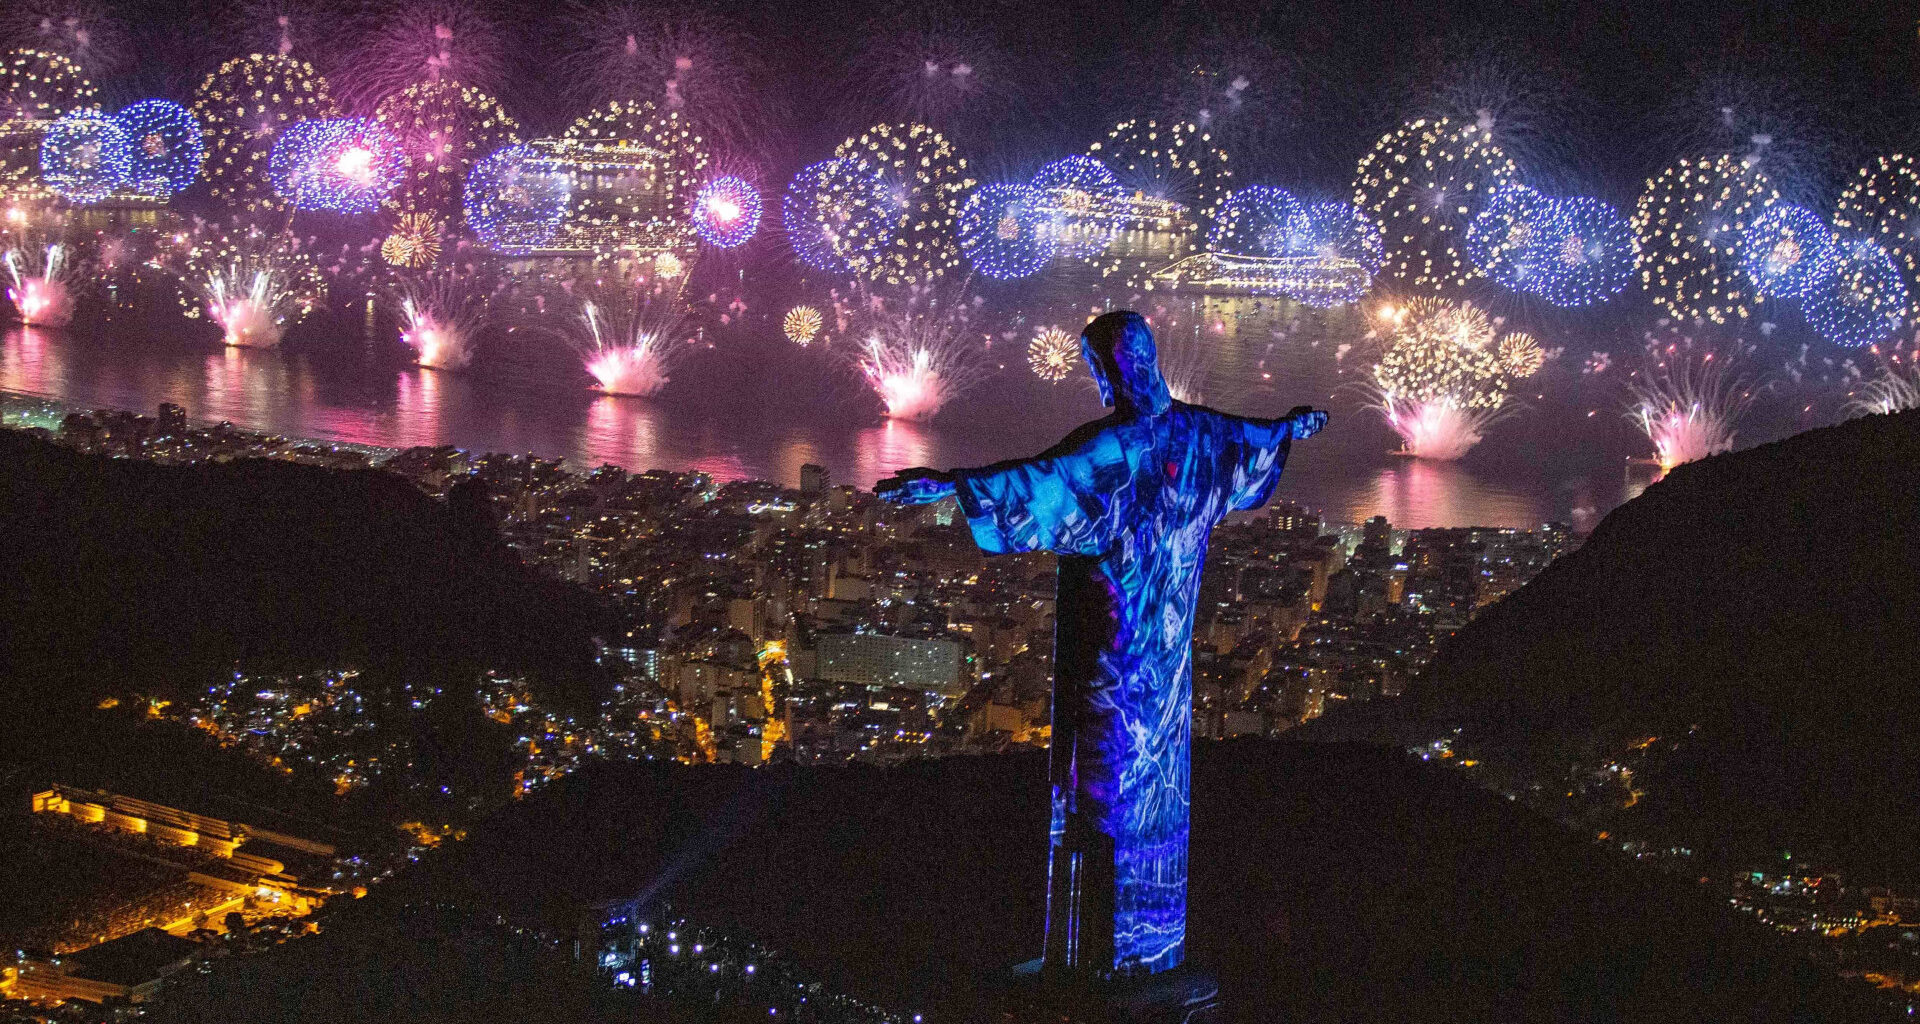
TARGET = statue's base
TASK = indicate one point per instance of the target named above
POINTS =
(1184, 995)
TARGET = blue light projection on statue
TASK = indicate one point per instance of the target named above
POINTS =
(1128, 502)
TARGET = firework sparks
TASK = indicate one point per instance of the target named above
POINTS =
(1440, 383)
(802, 324)
(251, 283)
(440, 318)
(1687, 402)
(1053, 354)
(40, 278)
(242, 107)
(414, 241)
(1424, 184)
(1691, 221)
(919, 353)
(631, 334)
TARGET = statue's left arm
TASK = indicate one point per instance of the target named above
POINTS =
(1256, 452)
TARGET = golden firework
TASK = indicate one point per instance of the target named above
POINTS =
(414, 242)
(1520, 355)
(1052, 354)
(802, 325)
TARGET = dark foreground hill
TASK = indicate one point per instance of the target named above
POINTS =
(127, 575)
(1330, 883)
(1762, 607)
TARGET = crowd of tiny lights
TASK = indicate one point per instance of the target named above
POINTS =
(84, 157)
(812, 219)
(1052, 354)
(898, 187)
(343, 165)
(1003, 232)
(726, 211)
(414, 241)
(443, 128)
(1423, 184)
(1862, 298)
(242, 107)
(801, 325)
(1882, 202)
(1691, 221)
(1587, 255)
(511, 208)
(1788, 249)
(1258, 220)
(166, 147)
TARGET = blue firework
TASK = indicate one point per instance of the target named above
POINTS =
(1003, 233)
(513, 207)
(829, 209)
(1787, 251)
(1258, 220)
(1861, 299)
(165, 147)
(1340, 231)
(1079, 173)
(1586, 254)
(726, 211)
(342, 165)
(84, 157)
(1505, 228)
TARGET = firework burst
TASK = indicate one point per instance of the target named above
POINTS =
(1440, 383)
(919, 353)
(242, 108)
(40, 280)
(894, 193)
(251, 283)
(678, 59)
(441, 314)
(801, 325)
(1882, 202)
(443, 127)
(1687, 401)
(417, 42)
(1691, 221)
(631, 334)
(1053, 354)
(1423, 184)
(414, 241)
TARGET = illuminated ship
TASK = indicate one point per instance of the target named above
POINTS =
(1315, 280)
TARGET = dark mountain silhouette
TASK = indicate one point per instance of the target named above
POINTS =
(1759, 607)
(127, 575)
(1330, 883)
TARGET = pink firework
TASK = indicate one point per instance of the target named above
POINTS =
(410, 43)
(441, 314)
(920, 353)
(631, 337)
(38, 284)
(1687, 401)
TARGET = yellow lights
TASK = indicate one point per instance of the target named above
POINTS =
(446, 126)
(890, 203)
(1882, 202)
(1422, 184)
(1052, 354)
(1691, 220)
(802, 324)
(414, 241)
(241, 107)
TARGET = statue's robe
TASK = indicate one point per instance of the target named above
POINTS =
(1127, 502)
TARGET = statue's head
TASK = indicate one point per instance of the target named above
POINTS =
(1119, 350)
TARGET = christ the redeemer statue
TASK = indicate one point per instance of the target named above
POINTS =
(1127, 502)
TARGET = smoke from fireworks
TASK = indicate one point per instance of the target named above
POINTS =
(39, 283)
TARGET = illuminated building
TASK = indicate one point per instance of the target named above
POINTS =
(620, 196)
(869, 659)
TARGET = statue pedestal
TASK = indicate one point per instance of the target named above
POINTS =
(1184, 995)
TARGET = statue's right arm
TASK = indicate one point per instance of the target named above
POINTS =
(1061, 500)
